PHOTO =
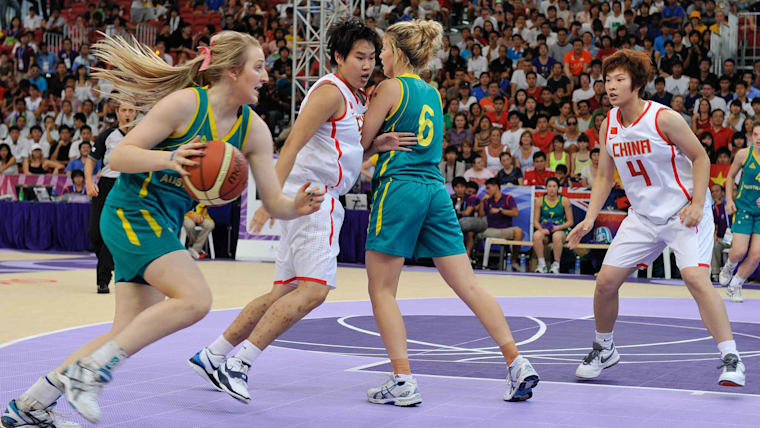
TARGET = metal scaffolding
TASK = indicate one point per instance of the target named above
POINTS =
(311, 19)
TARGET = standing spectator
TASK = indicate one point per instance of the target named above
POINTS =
(552, 218)
(537, 175)
(197, 239)
(105, 144)
(499, 210)
(450, 166)
(478, 173)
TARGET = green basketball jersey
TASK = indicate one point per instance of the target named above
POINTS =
(749, 188)
(554, 213)
(419, 111)
(162, 192)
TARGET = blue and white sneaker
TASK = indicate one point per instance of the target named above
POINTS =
(232, 377)
(598, 359)
(521, 380)
(205, 362)
(397, 390)
(13, 417)
(82, 383)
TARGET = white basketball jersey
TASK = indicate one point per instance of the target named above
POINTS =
(656, 175)
(333, 156)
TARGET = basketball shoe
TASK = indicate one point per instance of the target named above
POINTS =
(83, 381)
(397, 390)
(724, 277)
(232, 378)
(735, 293)
(521, 380)
(205, 362)
(596, 361)
(733, 371)
(13, 417)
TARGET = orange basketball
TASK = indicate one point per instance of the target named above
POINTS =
(220, 176)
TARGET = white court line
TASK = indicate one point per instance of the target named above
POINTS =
(362, 369)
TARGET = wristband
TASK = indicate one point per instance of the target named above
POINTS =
(171, 157)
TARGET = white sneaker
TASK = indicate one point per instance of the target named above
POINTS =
(205, 362)
(14, 417)
(521, 380)
(541, 269)
(724, 277)
(596, 361)
(82, 383)
(555, 268)
(232, 377)
(733, 371)
(194, 254)
(397, 391)
(735, 293)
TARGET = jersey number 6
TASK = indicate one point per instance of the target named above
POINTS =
(425, 133)
(642, 171)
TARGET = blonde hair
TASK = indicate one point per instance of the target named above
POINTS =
(418, 40)
(141, 78)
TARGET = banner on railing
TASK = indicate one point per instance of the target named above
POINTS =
(8, 182)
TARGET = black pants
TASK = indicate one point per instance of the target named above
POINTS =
(105, 261)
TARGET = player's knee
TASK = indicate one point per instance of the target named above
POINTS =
(538, 236)
(558, 237)
(196, 305)
(315, 295)
(518, 234)
(605, 286)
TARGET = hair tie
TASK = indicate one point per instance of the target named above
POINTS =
(206, 52)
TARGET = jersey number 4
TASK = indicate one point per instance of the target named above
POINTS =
(642, 171)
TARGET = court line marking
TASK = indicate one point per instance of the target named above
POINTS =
(362, 369)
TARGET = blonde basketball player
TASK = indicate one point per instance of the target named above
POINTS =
(665, 173)
(160, 289)
(324, 148)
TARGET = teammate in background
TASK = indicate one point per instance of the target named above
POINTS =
(144, 211)
(412, 214)
(324, 148)
(665, 173)
(746, 223)
(104, 145)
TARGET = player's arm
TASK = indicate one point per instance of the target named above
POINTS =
(603, 182)
(736, 165)
(537, 215)
(324, 103)
(170, 115)
(95, 155)
(677, 131)
(384, 100)
(258, 151)
(510, 212)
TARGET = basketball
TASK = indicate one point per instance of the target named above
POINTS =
(220, 176)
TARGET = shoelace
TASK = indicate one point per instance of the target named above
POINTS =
(592, 355)
(237, 368)
(50, 417)
(729, 362)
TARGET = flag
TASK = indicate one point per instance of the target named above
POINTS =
(718, 174)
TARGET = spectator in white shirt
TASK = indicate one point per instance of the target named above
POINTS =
(716, 103)
(477, 64)
(478, 173)
(677, 83)
(33, 21)
(485, 14)
(510, 139)
(66, 116)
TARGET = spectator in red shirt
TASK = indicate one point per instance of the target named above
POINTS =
(499, 117)
(542, 138)
(721, 134)
(537, 175)
(593, 131)
(533, 90)
(595, 102)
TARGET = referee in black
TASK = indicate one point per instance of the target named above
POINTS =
(104, 146)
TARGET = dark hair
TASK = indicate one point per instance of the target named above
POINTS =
(87, 127)
(37, 127)
(451, 149)
(554, 179)
(538, 155)
(13, 128)
(659, 79)
(637, 64)
(80, 116)
(558, 139)
(561, 168)
(594, 150)
(458, 181)
(343, 35)
(64, 128)
(723, 151)
(10, 153)
(77, 173)
(513, 113)
(542, 115)
(492, 181)
(472, 185)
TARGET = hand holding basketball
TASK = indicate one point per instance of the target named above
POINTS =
(179, 158)
(260, 217)
(691, 215)
(309, 201)
(579, 232)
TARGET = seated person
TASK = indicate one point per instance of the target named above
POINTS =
(589, 171)
(78, 164)
(59, 151)
(469, 221)
(478, 173)
(509, 173)
(561, 174)
(499, 210)
(196, 240)
(77, 178)
(450, 166)
(37, 164)
(537, 175)
(552, 218)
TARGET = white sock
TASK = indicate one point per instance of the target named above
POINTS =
(736, 281)
(604, 339)
(220, 346)
(730, 266)
(541, 261)
(39, 396)
(555, 263)
(405, 377)
(248, 353)
(109, 356)
(727, 347)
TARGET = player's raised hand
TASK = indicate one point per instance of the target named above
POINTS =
(309, 201)
(691, 215)
(578, 232)
(259, 219)
(395, 141)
